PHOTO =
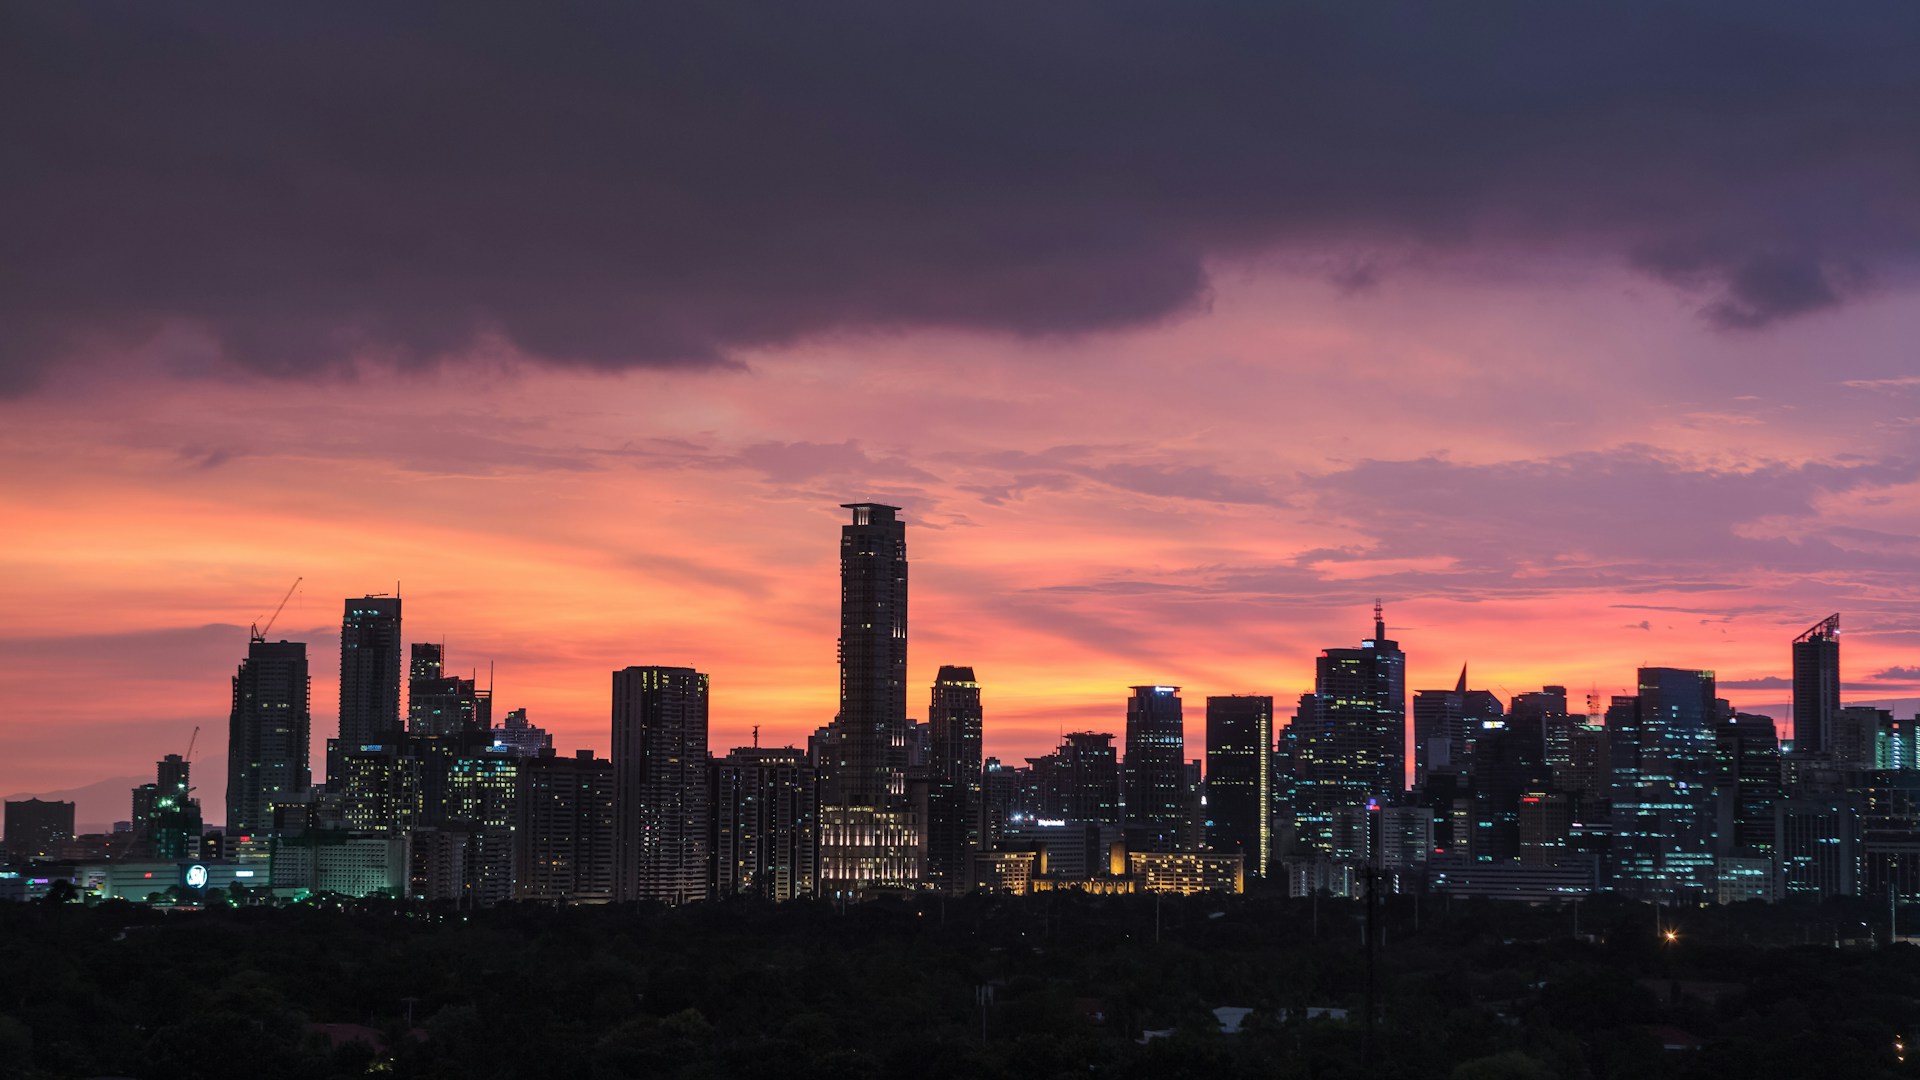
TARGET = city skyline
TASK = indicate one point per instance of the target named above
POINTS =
(1112, 722)
(1579, 365)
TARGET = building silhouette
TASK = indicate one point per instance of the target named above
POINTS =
(442, 704)
(369, 671)
(870, 836)
(1239, 778)
(765, 823)
(269, 734)
(35, 828)
(1158, 817)
(1350, 746)
(955, 808)
(1662, 747)
(1816, 686)
(660, 783)
(564, 846)
(518, 736)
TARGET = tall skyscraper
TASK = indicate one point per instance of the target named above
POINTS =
(869, 835)
(369, 670)
(1081, 780)
(564, 846)
(442, 704)
(268, 734)
(765, 823)
(955, 812)
(1155, 770)
(1240, 778)
(1662, 748)
(1446, 725)
(1351, 746)
(176, 823)
(660, 783)
(1747, 763)
(1816, 686)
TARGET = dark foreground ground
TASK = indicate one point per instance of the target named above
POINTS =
(892, 989)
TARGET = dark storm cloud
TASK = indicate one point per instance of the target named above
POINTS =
(627, 184)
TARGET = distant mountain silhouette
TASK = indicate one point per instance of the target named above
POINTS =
(96, 806)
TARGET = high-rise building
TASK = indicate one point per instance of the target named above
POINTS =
(869, 834)
(1154, 772)
(369, 671)
(442, 704)
(1080, 780)
(1747, 772)
(955, 811)
(1816, 686)
(1447, 726)
(1350, 746)
(1856, 735)
(175, 825)
(268, 734)
(660, 783)
(764, 823)
(35, 828)
(1662, 747)
(1545, 711)
(564, 846)
(1239, 778)
(520, 737)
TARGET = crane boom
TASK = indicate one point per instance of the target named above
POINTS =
(188, 756)
(259, 633)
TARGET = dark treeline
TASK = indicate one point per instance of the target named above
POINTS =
(891, 989)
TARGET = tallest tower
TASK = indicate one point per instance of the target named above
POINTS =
(873, 655)
(869, 834)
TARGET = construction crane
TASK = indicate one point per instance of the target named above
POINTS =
(258, 632)
(188, 756)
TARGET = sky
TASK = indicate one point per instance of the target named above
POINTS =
(1583, 340)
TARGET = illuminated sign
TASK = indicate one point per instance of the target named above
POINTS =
(196, 876)
(1165, 689)
(243, 873)
(1050, 822)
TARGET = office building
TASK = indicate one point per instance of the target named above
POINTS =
(870, 836)
(1816, 687)
(36, 828)
(1240, 779)
(1154, 771)
(369, 671)
(1446, 725)
(564, 846)
(1078, 781)
(660, 783)
(1747, 761)
(1818, 850)
(268, 734)
(955, 809)
(1662, 747)
(520, 737)
(442, 704)
(765, 823)
(1350, 740)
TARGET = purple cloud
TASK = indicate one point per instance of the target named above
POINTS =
(302, 188)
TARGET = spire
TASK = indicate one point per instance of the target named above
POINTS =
(1461, 686)
(1379, 622)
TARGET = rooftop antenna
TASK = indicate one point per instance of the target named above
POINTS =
(1379, 621)
(756, 736)
(259, 633)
